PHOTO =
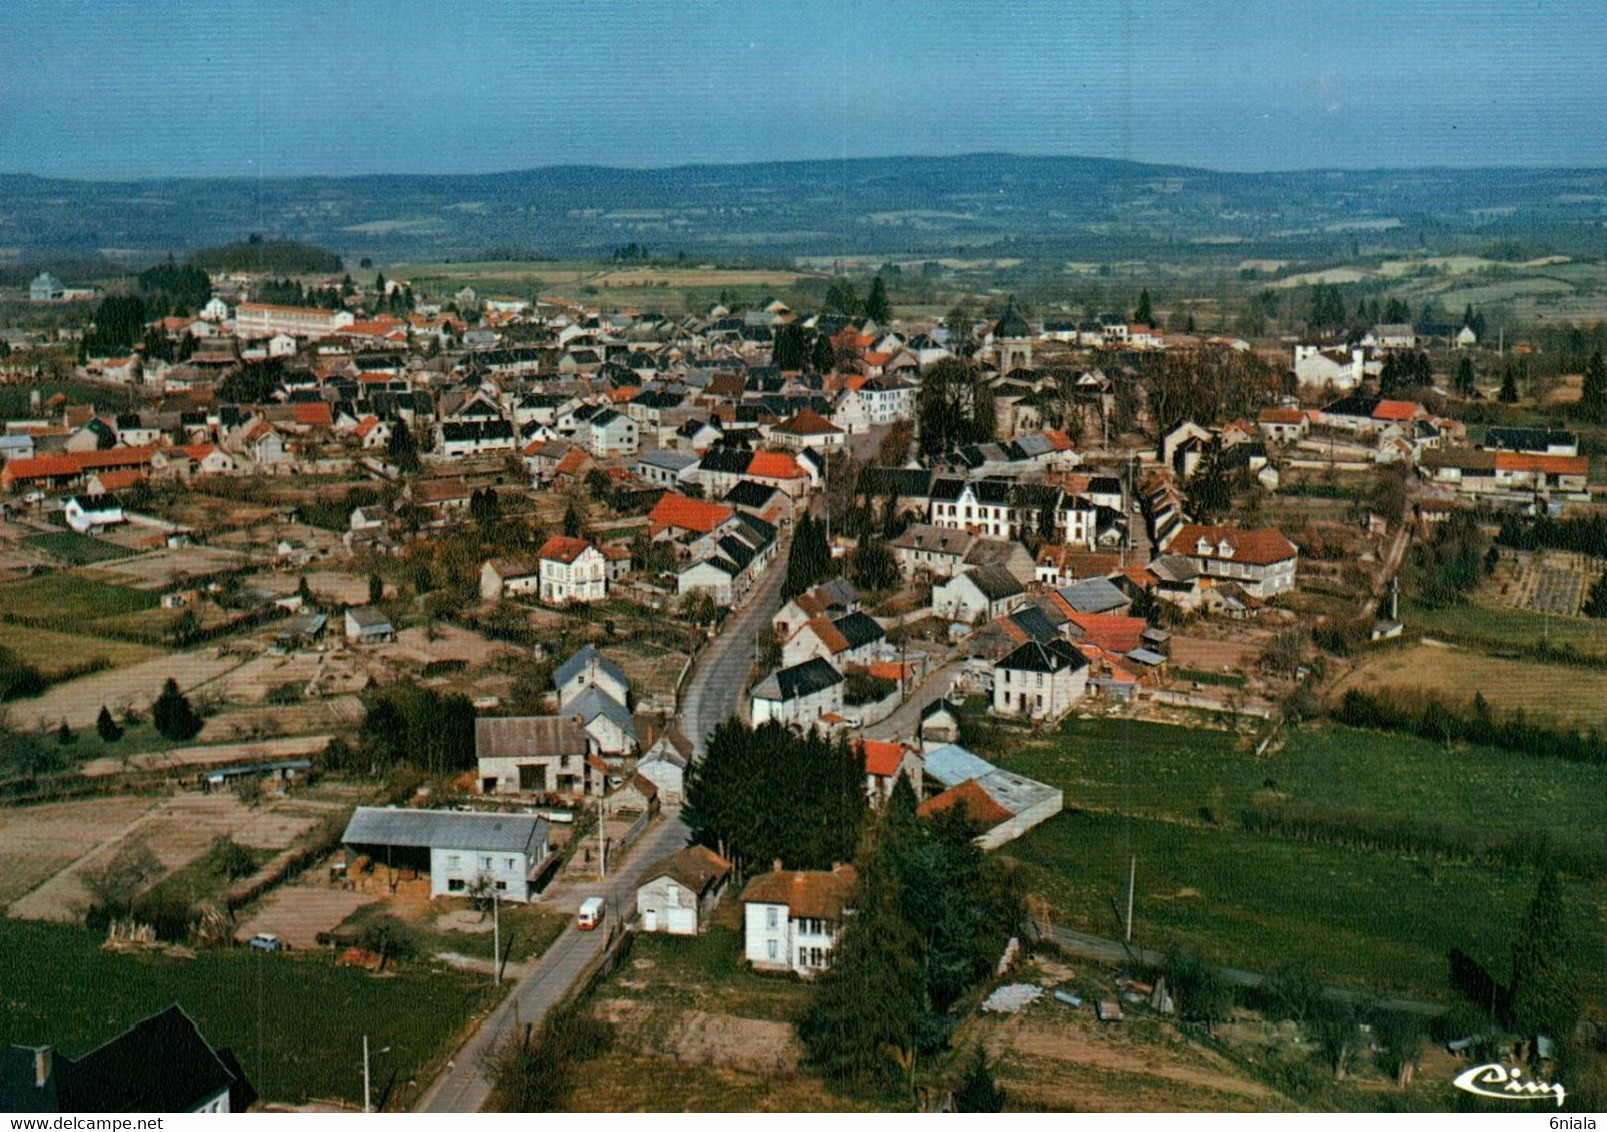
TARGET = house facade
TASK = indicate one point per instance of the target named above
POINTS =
(792, 920)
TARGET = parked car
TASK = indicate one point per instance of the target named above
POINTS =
(266, 941)
(591, 913)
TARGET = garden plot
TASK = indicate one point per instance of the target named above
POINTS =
(78, 702)
(177, 832)
(1552, 583)
(296, 914)
(163, 569)
(195, 758)
(37, 842)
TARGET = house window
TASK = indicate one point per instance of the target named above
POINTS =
(770, 917)
(452, 861)
(512, 864)
(803, 957)
(485, 862)
(770, 948)
(502, 886)
(455, 884)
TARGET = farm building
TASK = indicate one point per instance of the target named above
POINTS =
(458, 850)
(533, 754)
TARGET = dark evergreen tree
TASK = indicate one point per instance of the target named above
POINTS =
(1596, 599)
(1464, 380)
(1143, 313)
(861, 1021)
(877, 307)
(574, 523)
(978, 1092)
(841, 299)
(793, 347)
(376, 589)
(1593, 390)
(809, 562)
(172, 714)
(401, 449)
(1509, 385)
(873, 566)
(106, 727)
(1543, 998)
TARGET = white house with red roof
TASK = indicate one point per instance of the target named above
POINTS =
(808, 429)
(571, 570)
(1261, 561)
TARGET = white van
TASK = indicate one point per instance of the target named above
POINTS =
(591, 913)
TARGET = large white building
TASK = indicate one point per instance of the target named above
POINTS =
(263, 320)
(461, 851)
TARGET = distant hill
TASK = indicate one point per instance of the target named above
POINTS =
(998, 204)
(281, 257)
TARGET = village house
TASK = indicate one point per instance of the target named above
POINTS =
(850, 639)
(677, 895)
(1004, 804)
(509, 577)
(798, 696)
(938, 552)
(1262, 561)
(571, 570)
(977, 595)
(1338, 367)
(535, 754)
(885, 763)
(1283, 426)
(589, 668)
(92, 514)
(1040, 681)
(461, 852)
(366, 625)
(792, 920)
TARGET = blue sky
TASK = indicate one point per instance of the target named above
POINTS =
(132, 89)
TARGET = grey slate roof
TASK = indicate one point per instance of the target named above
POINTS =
(1094, 595)
(594, 702)
(446, 829)
(995, 582)
(584, 656)
(1055, 656)
(800, 680)
(529, 736)
(858, 629)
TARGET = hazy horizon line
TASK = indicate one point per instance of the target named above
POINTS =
(624, 167)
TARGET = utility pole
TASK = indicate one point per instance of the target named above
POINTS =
(367, 1106)
(1132, 875)
(496, 939)
(602, 841)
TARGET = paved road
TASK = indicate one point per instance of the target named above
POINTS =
(462, 1087)
(1111, 951)
(720, 680)
(904, 718)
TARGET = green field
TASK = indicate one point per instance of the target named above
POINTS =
(1156, 770)
(1365, 916)
(1377, 921)
(62, 989)
(76, 549)
(52, 652)
(1498, 627)
(70, 600)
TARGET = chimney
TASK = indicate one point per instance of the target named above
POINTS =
(43, 1060)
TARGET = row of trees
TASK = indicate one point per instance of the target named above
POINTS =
(954, 407)
(410, 725)
(931, 917)
(765, 794)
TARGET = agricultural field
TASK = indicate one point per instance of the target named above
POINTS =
(37, 842)
(1573, 697)
(79, 701)
(296, 1023)
(69, 601)
(75, 549)
(1378, 921)
(53, 652)
(1492, 626)
(1173, 796)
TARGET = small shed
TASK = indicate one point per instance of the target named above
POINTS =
(678, 893)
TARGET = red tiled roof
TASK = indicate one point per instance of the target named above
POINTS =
(775, 465)
(1281, 416)
(120, 479)
(1109, 631)
(882, 759)
(685, 514)
(1260, 547)
(978, 806)
(807, 422)
(1396, 410)
(573, 461)
(312, 413)
(821, 895)
(1537, 462)
(562, 548)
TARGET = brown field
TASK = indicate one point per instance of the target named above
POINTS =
(222, 754)
(1216, 655)
(52, 652)
(38, 841)
(164, 568)
(177, 831)
(1572, 696)
(297, 913)
(79, 701)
